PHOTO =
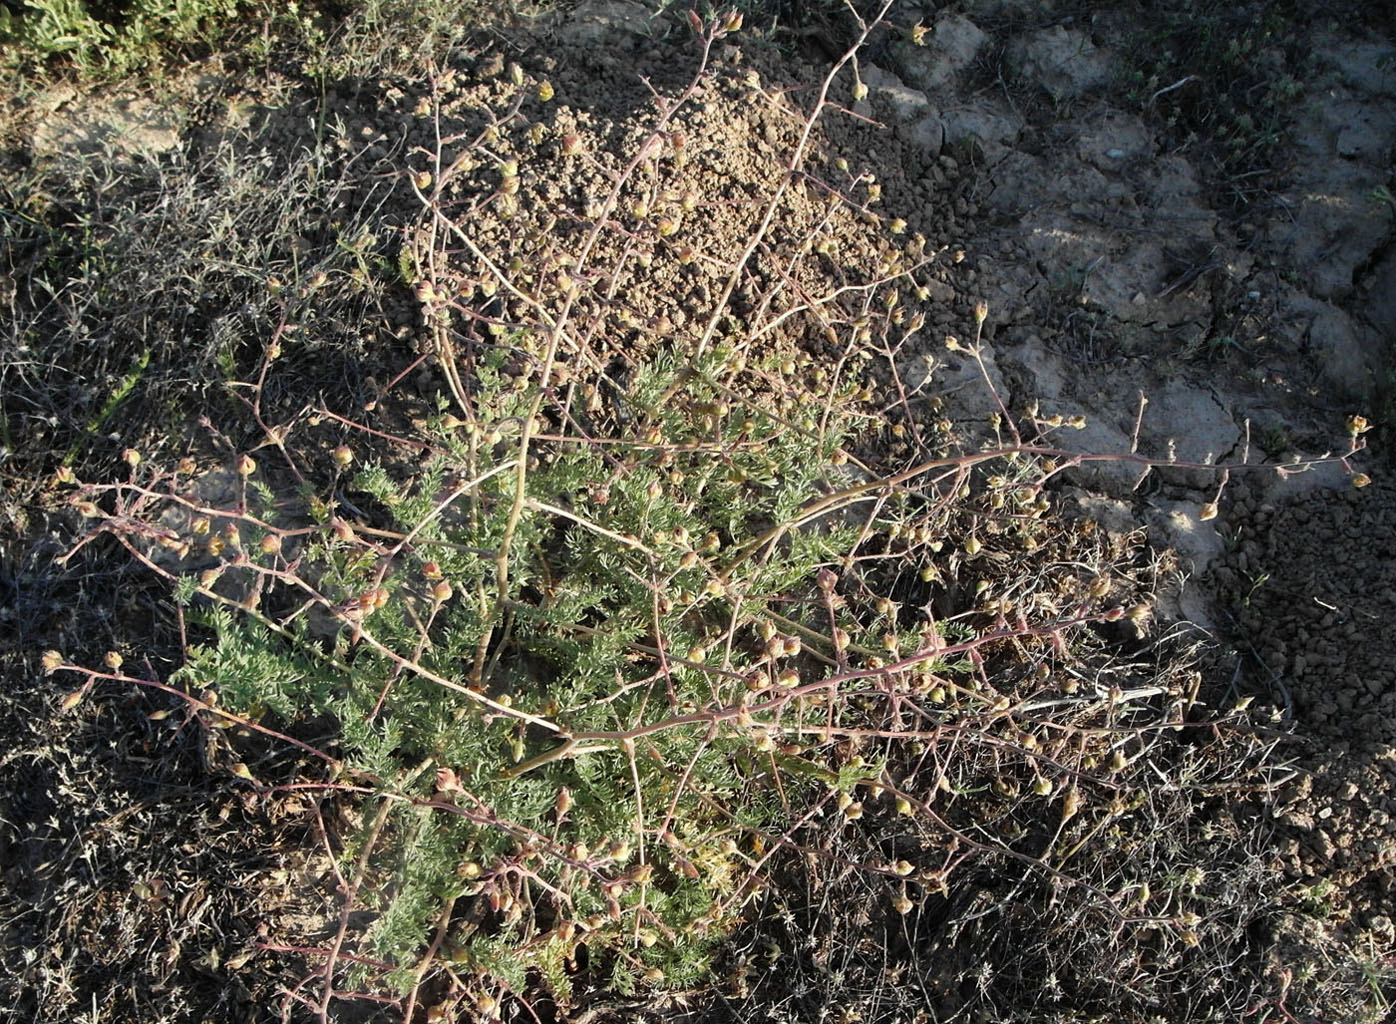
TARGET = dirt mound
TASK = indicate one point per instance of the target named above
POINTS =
(1313, 586)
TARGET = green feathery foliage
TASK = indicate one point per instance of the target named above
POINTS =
(613, 781)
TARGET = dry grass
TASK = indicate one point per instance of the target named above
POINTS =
(1067, 818)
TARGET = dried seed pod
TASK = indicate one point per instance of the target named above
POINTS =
(1071, 804)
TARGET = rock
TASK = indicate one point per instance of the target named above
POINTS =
(1115, 515)
(1193, 423)
(926, 134)
(1344, 149)
(594, 21)
(1127, 283)
(1179, 526)
(1349, 353)
(938, 291)
(990, 124)
(1363, 64)
(1293, 484)
(1115, 141)
(950, 48)
(956, 378)
(1176, 197)
(889, 93)
(1379, 291)
(1176, 525)
(1063, 61)
(1057, 389)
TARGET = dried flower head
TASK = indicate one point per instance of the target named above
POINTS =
(1071, 804)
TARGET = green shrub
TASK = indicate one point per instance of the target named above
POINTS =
(98, 43)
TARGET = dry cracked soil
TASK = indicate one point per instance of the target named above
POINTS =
(1180, 219)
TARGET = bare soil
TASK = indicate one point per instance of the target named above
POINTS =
(1146, 213)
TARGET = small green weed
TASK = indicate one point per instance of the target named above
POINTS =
(112, 47)
(1381, 195)
(1221, 75)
